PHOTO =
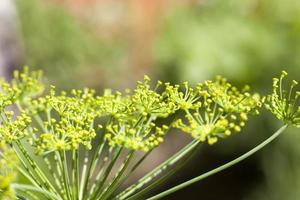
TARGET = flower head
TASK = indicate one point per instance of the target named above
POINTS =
(29, 83)
(218, 110)
(11, 129)
(148, 102)
(284, 103)
(68, 120)
(23, 87)
(182, 99)
(141, 137)
(135, 127)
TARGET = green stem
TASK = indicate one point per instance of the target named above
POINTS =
(35, 167)
(221, 168)
(75, 174)
(52, 171)
(36, 189)
(158, 170)
(116, 180)
(65, 174)
(165, 176)
(58, 166)
(106, 174)
(26, 172)
(83, 175)
(134, 167)
(92, 168)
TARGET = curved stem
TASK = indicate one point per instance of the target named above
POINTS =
(107, 192)
(221, 168)
(158, 170)
(106, 174)
(36, 168)
(36, 189)
(165, 176)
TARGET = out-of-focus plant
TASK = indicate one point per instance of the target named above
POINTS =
(199, 39)
(54, 41)
(8, 164)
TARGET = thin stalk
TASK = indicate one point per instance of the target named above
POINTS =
(51, 170)
(36, 189)
(106, 174)
(221, 168)
(91, 170)
(92, 167)
(83, 175)
(65, 174)
(158, 170)
(165, 176)
(29, 177)
(135, 166)
(115, 182)
(99, 174)
(30, 195)
(27, 172)
(32, 177)
(36, 168)
(59, 173)
(75, 174)
(139, 162)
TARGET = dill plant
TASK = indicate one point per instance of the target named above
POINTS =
(69, 145)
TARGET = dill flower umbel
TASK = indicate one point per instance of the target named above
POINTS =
(215, 109)
(134, 127)
(283, 103)
(23, 86)
(68, 121)
(27, 84)
(13, 130)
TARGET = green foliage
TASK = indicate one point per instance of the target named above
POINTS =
(231, 38)
(55, 41)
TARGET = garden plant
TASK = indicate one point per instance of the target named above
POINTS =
(79, 145)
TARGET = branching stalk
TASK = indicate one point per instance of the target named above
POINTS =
(221, 168)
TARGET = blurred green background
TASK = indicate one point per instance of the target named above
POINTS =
(106, 43)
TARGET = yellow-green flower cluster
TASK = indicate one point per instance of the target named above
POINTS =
(111, 104)
(12, 130)
(183, 100)
(215, 109)
(134, 125)
(229, 98)
(8, 162)
(64, 122)
(142, 137)
(23, 86)
(68, 121)
(146, 101)
(282, 103)
(27, 84)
